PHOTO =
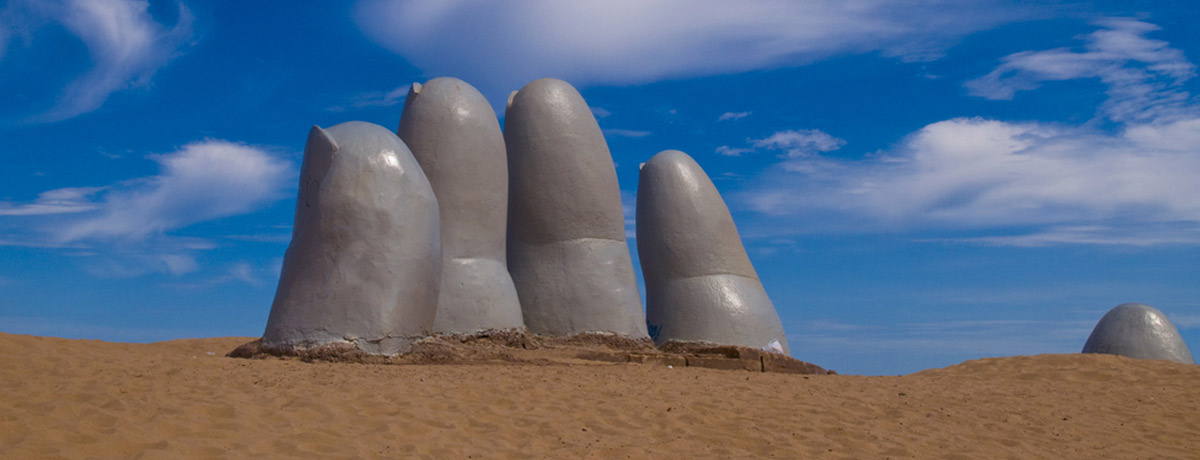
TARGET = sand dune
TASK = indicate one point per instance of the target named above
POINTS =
(185, 399)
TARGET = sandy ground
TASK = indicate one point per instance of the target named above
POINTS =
(184, 399)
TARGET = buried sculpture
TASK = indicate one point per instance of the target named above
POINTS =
(566, 231)
(453, 133)
(362, 268)
(700, 285)
(377, 261)
(1138, 331)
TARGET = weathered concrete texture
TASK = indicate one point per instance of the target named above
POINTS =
(453, 133)
(362, 267)
(1138, 331)
(700, 285)
(566, 232)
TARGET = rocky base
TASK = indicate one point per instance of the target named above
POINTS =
(520, 346)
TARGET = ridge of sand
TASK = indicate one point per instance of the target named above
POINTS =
(184, 399)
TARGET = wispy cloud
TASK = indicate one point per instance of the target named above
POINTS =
(733, 116)
(1149, 234)
(126, 46)
(1000, 337)
(1059, 183)
(125, 229)
(373, 99)
(202, 181)
(1143, 75)
(791, 144)
(1186, 321)
(629, 211)
(241, 272)
(626, 133)
(60, 201)
(504, 45)
(163, 256)
(800, 143)
(974, 172)
(732, 152)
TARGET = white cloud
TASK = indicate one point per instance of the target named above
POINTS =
(800, 143)
(1143, 75)
(1036, 183)
(245, 273)
(599, 112)
(1186, 321)
(241, 272)
(1151, 234)
(178, 264)
(733, 116)
(202, 181)
(126, 45)
(793, 144)
(629, 211)
(626, 133)
(60, 201)
(500, 46)
(373, 99)
(128, 261)
(973, 172)
(732, 152)
(120, 230)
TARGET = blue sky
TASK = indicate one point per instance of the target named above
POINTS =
(917, 183)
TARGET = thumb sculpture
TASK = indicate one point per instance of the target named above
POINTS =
(700, 285)
(362, 268)
(566, 232)
(454, 135)
(1138, 331)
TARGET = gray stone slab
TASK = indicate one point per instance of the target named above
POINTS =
(566, 232)
(1138, 331)
(453, 133)
(363, 264)
(700, 285)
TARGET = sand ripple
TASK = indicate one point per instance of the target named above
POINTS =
(85, 399)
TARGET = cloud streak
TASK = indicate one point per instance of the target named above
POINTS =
(504, 45)
(733, 116)
(1143, 75)
(60, 201)
(373, 99)
(127, 46)
(1000, 337)
(626, 133)
(202, 181)
(800, 143)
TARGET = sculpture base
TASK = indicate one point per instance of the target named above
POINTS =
(518, 346)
